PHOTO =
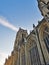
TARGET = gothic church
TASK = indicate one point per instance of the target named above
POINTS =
(32, 49)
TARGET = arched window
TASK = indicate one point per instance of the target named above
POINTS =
(34, 55)
(46, 37)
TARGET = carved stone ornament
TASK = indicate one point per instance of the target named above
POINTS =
(44, 8)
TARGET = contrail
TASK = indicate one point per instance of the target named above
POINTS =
(5, 23)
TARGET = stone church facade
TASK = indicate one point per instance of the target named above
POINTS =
(32, 49)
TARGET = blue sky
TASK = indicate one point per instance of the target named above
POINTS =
(20, 13)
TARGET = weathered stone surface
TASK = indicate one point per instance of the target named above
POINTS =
(44, 8)
(32, 52)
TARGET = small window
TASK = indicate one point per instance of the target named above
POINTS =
(48, 7)
(48, 13)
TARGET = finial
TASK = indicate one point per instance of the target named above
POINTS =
(33, 26)
(38, 22)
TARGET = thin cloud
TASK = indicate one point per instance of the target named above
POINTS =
(5, 23)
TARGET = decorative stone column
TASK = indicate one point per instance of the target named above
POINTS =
(18, 54)
(25, 42)
(39, 46)
(20, 58)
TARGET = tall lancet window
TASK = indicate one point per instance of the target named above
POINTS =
(46, 37)
(34, 55)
